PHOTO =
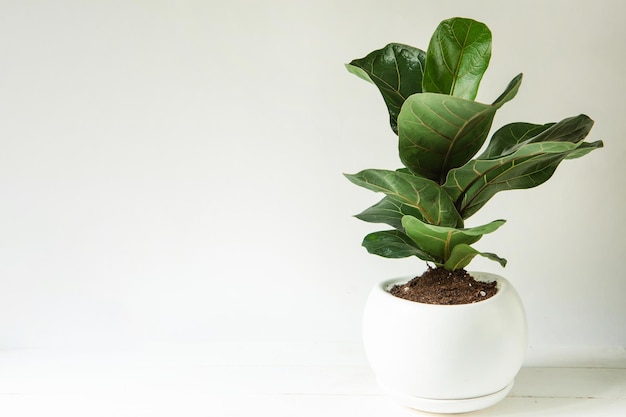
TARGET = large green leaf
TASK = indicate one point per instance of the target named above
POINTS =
(439, 132)
(396, 70)
(532, 163)
(393, 244)
(389, 211)
(457, 57)
(511, 137)
(508, 137)
(431, 201)
(463, 254)
(439, 241)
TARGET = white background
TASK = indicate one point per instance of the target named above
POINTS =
(170, 171)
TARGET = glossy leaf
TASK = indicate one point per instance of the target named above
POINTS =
(439, 132)
(393, 244)
(396, 70)
(511, 137)
(439, 241)
(388, 211)
(457, 57)
(433, 204)
(463, 254)
(532, 163)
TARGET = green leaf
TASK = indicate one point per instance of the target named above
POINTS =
(457, 57)
(389, 211)
(433, 204)
(396, 70)
(512, 137)
(439, 241)
(504, 141)
(510, 91)
(393, 244)
(532, 163)
(463, 254)
(584, 148)
(438, 132)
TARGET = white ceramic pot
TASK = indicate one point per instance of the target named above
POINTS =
(445, 358)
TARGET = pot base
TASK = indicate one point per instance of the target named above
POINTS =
(451, 406)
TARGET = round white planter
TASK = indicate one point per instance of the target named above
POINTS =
(445, 358)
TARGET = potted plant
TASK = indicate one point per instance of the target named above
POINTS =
(449, 341)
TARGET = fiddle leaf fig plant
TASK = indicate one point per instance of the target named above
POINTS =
(430, 97)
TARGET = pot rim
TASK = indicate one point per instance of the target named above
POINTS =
(502, 284)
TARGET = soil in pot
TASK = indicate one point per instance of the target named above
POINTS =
(439, 286)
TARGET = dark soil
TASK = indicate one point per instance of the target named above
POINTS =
(439, 286)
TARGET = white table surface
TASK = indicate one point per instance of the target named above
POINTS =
(263, 379)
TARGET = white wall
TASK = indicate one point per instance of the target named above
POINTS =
(171, 170)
